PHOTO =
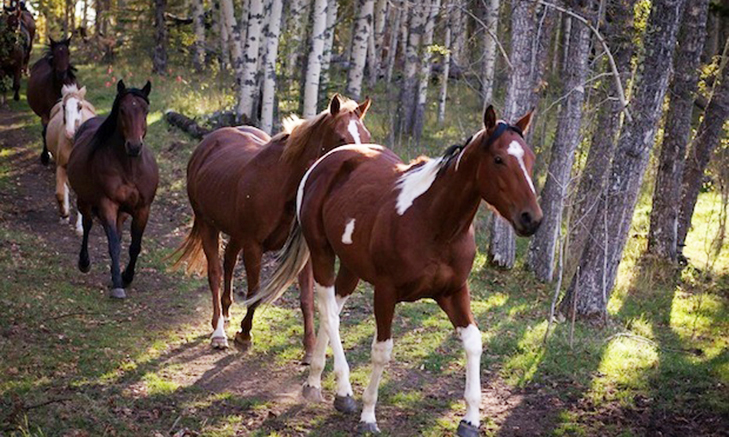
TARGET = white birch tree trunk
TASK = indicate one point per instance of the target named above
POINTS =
(491, 19)
(425, 69)
(326, 58)
(313, 68)
(248, 90)
(298, 17)
(360, 40)
(198, 23)
(372, 63)
(269, 66)
(224, 37)
(458, 25)
(397, 30)
(406, 109)
(234, 42)
(381, 11)
(444, 77)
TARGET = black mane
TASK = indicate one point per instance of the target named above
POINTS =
(108, 126)
(452, 153)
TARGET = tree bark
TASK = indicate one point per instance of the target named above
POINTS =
(326, 58)
(313, 69)
(360, 39)
(460, 30)
(406, 108)
(224, 37)
(620, 35)
(381, 11)
(598, 266)
(198, 24)
(425, 70)
(159, 58)
(269, 66)
(520, 95)
(491, 20)
(708, 136)
(298, 17)
(248, 92)
(541, 254)
(397, 29)
(234, 42)
(446, 64)
(663, 233)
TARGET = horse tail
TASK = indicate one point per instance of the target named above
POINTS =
(290, 261)
(191, 252)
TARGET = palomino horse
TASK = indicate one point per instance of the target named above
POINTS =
(407, 230)
(115, 176)
(15, 44)
(66, 117)
(47, 76)
(241, 182)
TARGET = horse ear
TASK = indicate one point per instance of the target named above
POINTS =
(524, 122)
(82, 92)
(53, 42)
(489, 118)
(335, 104)
(120, 87)
(147, 88)
(363, 107)
(68, 40)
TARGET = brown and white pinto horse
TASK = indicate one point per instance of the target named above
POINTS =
(115, 176)
(241, 182)
(407, 230)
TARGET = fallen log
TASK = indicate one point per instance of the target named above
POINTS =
(186, 124)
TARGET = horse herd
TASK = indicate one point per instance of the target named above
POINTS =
(317, 191)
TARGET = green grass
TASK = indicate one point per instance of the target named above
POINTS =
(142, 366)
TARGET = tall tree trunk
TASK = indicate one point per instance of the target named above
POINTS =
(662, 236)
(397, 29)
(708, 136)
(224, 37)
(592, 285)
(381, 12)
(541, 254)
(491, 20)
(519, 99)
(371, 66)
(298, 17)
(198, 23)
(159, 58)
(425, 70)
(446, 64)
(405, 110)
(248, 93)
(234, 42)
(269, 65)
(326, 58)
(620, 35)
(460, 31)
(85, 17)
(313, 68)
(360, 39)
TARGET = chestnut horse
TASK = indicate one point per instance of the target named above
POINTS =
(241, 182)
(15, 42)
(47, 76)
(115, 176)
(406, 229)
(66, 117)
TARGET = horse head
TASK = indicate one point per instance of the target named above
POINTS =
(505, 170)
(133, 106)
(343, 124)
(73, 101)
(61, 58)
(13, 17)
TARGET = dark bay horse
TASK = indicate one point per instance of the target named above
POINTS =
(28, 25)
(115, 176)
(15, 44)
(406, 229)
(241, 182)
(47, 76)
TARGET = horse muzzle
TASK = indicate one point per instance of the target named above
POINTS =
(527, 223)
(134, 148)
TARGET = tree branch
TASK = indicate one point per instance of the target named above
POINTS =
(498, 43)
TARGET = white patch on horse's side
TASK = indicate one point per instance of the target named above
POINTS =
(381, 354)
(348, 229)
(354, 131)
(220, 329)
(517, 151)
(72, 115)
(414, 183)
(302, 184)
(471, 339)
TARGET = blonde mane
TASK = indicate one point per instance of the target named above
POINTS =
(69, 91)
(299, 131)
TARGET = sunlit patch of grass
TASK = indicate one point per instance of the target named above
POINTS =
(157, 385)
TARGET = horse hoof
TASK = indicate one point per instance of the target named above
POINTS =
(312, 394)
(242, 343)
(365, 428)
(118, 293)
(219, 342)
(307, 359)
(84, 266)
(465, 429)
(64, 220)
(345, 404)
(80, 232)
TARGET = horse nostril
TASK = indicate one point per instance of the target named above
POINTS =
(526, 218)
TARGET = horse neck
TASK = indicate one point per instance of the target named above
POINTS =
(453, 199)
(296, 167)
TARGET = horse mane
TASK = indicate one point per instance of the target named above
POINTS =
(108, 126)
(300, 131)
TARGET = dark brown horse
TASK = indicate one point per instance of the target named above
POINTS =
(407, 230)
(27, 25)
(15, 43)
(241, 182)
(115, 176)
(47, 76)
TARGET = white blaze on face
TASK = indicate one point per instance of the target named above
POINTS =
(354, 131)
(517, 151)
(348, 229)
(73, 116)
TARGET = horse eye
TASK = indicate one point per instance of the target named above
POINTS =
(498, 160)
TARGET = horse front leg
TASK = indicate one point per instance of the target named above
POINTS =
(458, 309)
(84, 264)
(45, 156)
(229, 261)
(109, 212)
(252, 254)
(306, 298)
(62, 194)
(16, 83)
(139, 223)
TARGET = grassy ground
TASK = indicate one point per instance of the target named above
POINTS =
(73, 362)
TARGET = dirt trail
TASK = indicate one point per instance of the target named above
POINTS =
(28, 205)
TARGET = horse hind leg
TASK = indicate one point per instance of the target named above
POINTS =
(84, 263)
(306, 299)
(139, 223)
(252, 254)
(16, 84)
(229, 261)
(210, 243)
